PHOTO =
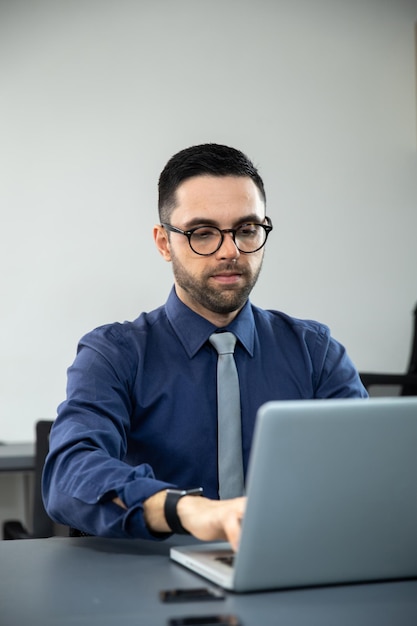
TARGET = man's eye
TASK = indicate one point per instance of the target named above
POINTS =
(248, 230)
(205, 233)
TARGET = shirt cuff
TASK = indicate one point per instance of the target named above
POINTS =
(134, 495)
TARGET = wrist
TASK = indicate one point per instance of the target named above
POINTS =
(153, 513)
(174, 499)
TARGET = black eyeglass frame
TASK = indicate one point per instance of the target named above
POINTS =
(188, 233)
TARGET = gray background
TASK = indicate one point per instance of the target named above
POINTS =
(95, 96)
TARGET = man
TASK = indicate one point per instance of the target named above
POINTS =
(141, 410)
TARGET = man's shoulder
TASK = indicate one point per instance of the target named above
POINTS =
(128, 330)
(283, 321)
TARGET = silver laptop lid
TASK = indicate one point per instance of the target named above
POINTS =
(332, 494)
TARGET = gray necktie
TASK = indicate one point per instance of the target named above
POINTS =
(229, 419)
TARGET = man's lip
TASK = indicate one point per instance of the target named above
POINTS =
(227, 277)
(233, 272)
(227, 273)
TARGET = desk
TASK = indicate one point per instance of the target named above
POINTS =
(90, 581)
(17, 457)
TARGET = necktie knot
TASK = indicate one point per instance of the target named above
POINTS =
(223, 342)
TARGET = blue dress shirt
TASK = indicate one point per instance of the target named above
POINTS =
(141, 414)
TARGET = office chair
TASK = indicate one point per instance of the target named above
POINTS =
(42, 525)
(406, 382)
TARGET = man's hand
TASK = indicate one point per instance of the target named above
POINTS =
(208, 520)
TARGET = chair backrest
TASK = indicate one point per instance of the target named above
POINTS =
(410, 390)
(43, 526)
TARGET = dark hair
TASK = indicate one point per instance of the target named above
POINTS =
(208, 159)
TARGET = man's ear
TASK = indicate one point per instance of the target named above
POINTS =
(160, 236)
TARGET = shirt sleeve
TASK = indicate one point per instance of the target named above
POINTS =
(335, 374)
(85, 467)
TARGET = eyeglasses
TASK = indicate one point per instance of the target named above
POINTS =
(206, 240)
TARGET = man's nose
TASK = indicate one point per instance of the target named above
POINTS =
(228, 249)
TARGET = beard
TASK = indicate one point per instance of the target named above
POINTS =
(218, 299)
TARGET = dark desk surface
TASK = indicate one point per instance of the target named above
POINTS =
(17, 457)
(100, 582)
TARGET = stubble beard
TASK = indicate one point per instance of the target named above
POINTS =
(216, 299)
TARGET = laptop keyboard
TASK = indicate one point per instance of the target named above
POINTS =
(229, 559)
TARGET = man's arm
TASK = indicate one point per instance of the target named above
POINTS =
(208, 520)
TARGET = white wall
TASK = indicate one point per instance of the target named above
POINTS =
(96, 96)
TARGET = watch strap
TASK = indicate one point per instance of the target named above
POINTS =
(170, 507)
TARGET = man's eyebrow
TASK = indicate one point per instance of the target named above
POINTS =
(252, 218)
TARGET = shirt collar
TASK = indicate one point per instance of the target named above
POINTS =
(193, 330)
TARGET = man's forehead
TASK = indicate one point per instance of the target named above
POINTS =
(210, 190)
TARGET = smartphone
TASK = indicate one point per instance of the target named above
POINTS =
(193, 594)
(205, 620)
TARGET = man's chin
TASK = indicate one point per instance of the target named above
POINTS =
(228, 301)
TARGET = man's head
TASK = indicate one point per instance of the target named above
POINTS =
(213, 228)
(208, 159)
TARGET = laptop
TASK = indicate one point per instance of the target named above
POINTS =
(332, 498)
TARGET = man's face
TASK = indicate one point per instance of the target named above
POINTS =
(215, 286)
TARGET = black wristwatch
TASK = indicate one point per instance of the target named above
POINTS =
(170, 507)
